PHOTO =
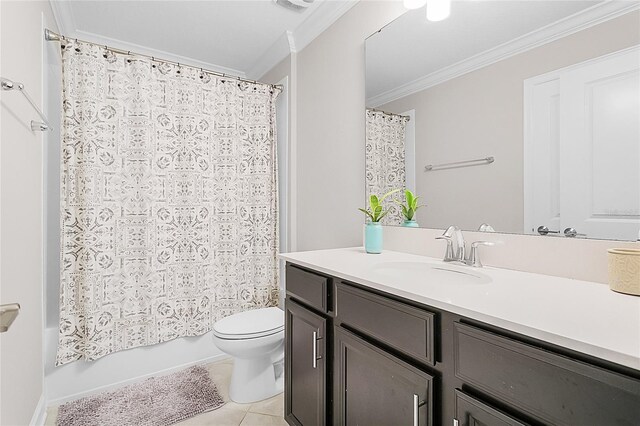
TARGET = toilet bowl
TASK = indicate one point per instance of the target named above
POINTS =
(255, 339)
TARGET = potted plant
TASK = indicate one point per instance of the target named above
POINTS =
(373, 229)
(409, 209)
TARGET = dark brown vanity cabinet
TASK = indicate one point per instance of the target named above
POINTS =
(305, 366)
(308, 346)
(375, 388)
(473, 412)
(544, 385)
(384, 360)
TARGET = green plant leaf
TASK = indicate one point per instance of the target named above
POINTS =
(387, 194)
(409, 196)
(367, 213)
(410, 214)
(414, 204)
(373, 201)
(382, 215)
(376, 213)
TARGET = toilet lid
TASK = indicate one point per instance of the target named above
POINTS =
(253, 323)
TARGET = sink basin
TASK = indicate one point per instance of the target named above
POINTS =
(427, 272)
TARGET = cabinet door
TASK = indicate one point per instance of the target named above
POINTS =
(375, 388)
(471, 412)
(305, 366)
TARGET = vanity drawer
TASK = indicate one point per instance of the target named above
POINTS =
(471, 412)
(546, 385)
(307, 287)
(398, 325)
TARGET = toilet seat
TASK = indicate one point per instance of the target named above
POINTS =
(250, 324)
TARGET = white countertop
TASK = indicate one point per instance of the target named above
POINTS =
(579, 315)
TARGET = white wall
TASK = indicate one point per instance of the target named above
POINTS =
(481, 114)
(557, 256)
(286, 71)
(330, 131)
(330, 128)
(21, 206)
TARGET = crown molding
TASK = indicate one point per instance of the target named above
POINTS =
(328, 12)
(577, 22)
(279, 50)
(289, 42)
(321, 19)
(64, 18)
(157, 53)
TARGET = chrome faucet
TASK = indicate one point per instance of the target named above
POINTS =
(474, 258)
(455, 244)
(456, 249)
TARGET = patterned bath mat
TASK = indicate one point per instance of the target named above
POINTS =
(157, 401)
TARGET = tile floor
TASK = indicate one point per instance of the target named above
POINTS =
(264, 413)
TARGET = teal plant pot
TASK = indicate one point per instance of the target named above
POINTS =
(373, 238)
(410, 224)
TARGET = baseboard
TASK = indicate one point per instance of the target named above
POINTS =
(112, 386)
(39, 413)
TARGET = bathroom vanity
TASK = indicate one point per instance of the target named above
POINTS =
(399, 339)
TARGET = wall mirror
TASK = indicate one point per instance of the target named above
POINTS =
(517, 116)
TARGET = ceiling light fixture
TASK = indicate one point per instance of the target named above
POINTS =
(437, 10)
(414, 4)
(296, 5)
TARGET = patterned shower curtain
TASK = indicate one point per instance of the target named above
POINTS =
(385, 159)
(169, 215)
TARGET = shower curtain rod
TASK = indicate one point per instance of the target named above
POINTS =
(51, 36)
(390, 113)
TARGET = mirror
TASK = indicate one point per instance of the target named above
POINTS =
(514, 116)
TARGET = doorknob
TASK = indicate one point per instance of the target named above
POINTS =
(571, 233)
(543, 230)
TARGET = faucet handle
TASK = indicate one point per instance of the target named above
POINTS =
(448, 256)
(474, 258)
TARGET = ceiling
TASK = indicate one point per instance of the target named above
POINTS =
(241, 37)
(411, 47)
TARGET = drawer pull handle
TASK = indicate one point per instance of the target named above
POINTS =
(315, 349)
(416, 409)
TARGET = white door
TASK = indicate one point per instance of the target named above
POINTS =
(600, 148)
(582, 148)
(542, 150)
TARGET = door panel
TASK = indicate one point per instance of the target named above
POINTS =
(600, 152)
(542, 162)
(375, 388)
(305, 366)
(582, 155)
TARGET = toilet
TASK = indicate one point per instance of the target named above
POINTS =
(255, 339)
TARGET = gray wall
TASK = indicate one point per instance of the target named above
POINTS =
(22, 55)
(330, 128)
(481, 114)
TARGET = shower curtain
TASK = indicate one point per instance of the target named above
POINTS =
(385, 168)
(169, 215)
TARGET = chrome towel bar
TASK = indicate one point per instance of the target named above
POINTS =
(35, 125)
(467, 163)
